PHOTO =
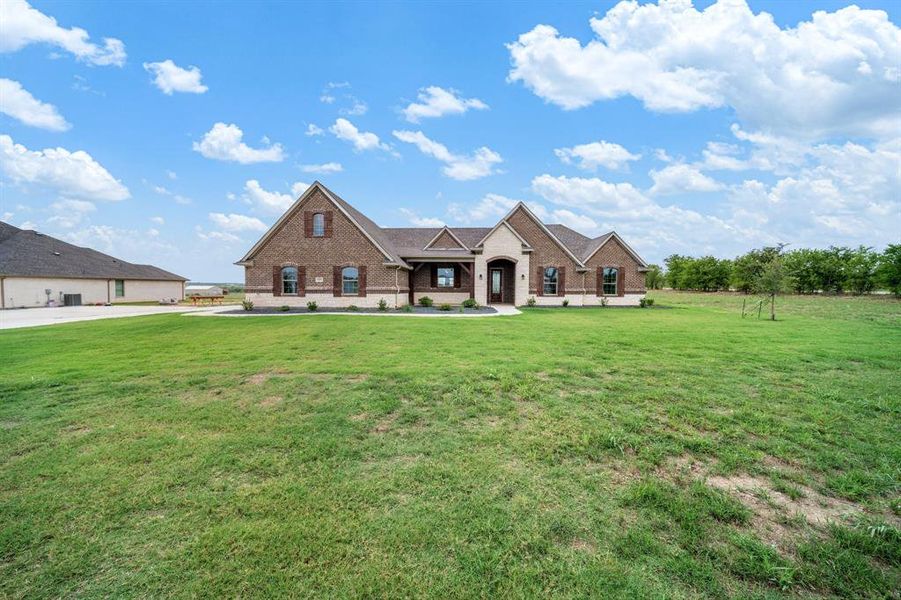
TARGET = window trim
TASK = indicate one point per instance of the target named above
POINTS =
(453, 273)
(296, 281)
(614, 283)
(320, 217)
(345, 281)
(545, 282)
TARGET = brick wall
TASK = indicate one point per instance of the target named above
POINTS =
(545, 253)
(347, 246)
(614, 255)
(445, 240)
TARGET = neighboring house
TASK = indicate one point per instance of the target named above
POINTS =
(323, 249)
(36, 269)
(197, 289)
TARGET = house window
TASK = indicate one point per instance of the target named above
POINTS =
(318, 225)
(610, 276)
(445, 277)
(550, 281)
(350, 281)
(120, 288)
(289, 280)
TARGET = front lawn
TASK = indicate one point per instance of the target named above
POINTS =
(678, 451)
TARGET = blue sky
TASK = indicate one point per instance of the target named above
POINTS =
(175, 133)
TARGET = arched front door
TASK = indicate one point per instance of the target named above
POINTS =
(496, 285)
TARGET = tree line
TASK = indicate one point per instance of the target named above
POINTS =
(834, 270)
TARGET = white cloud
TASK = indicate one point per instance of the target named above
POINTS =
(673, 57)
(597, 154)
(223, 142)
(418, 221)
(462, 168)
(357, 107)
(314, 130)
(437, 102)
(236, 222)
(74, 174)
(217, 236)
(325, 168)
(158, 220)
(489, 209)
(16, 102)
(171, 175)
(69, 213)
(361, 140)
(680, 178)
(24, 25)
(271, 203)
(134, 245)
(169, 77)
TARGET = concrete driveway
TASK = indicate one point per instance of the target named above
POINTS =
(35, 317)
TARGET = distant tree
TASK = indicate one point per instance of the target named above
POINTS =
(888, 273)
(676, 271)
(860, 270)
(772, 281)
(653, 278)
(748, 267)
(831, 268)
(708, 274)
(804, 267)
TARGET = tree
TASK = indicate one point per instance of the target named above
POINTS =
(803, 265)
(888, 273)
(860, 270)
(748, 267)
(773, 280)
(676, 271)
(653, 278)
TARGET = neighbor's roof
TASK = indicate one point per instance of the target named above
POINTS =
(26, 253)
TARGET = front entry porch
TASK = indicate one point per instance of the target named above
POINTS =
(445, 282)
(501, 288)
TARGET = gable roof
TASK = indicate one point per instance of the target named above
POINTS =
(26, 253)
(401, 243)
(373, 232)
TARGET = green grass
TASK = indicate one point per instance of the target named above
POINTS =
(345, 456)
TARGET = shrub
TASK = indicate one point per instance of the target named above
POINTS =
(566, 302)
(531, 301)
(445, 307)
(312, 306)
(247, 305)
(470, 303)
(643, 302)
(426, 301)
(603, 300)
(383, 305)
(407, 308)
(284, 308)
(353, 308)
(649, 301)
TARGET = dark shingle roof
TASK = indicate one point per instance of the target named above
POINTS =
(414, 239)
(26, 253)
(580, 245)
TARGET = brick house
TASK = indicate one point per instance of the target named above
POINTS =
(324, 249)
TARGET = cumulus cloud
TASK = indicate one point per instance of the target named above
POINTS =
(314, 130)
(224, 142)
(673, 57)
(597, 154)
(158, 220)
(24, 25)
(73, 174)
(361, 140)
(460, 167)
(681, 178)
(489, 208)
(19, 104)
(268, 202)
(437, 102)
(323, 169)
(169, 77)
(236, 222)
(69, 213)
(418, 221)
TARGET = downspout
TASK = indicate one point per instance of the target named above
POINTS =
(583, 287)
(396, 284)
(108, 299)
(2, 294)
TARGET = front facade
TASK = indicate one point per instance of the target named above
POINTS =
(324, 250)
(39, 270)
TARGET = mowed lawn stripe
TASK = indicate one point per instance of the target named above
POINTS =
(562, 451)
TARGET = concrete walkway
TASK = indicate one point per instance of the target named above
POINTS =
(502, 311)
(35, 317)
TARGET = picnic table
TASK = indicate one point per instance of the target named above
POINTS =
(195, 300)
